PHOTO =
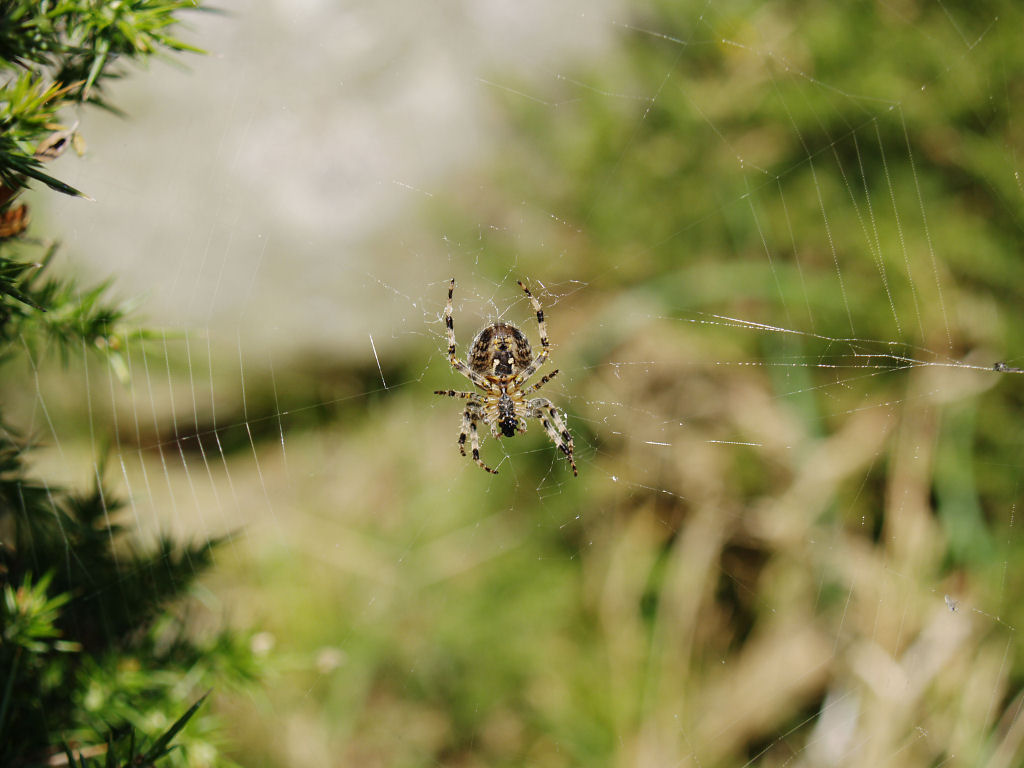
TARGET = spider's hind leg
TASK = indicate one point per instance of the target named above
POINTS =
(542, 328)
(449, 329)
(541, 325)
(541, 383)
(473, 396)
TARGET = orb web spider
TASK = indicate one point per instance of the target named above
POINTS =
(499, 362)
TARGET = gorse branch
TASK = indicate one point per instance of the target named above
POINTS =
(94, 657)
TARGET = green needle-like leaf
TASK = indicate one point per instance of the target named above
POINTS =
(160, 747)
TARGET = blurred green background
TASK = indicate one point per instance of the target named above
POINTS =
(779, 248)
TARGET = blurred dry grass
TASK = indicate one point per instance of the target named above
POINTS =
(762, 591)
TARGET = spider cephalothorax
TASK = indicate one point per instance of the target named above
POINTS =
(499, 363)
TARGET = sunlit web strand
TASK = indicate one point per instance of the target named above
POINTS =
(735, 322)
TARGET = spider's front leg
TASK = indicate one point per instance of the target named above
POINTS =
(469, 419)
(553, 423)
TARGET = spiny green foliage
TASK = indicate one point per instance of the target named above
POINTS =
(122, 751)
(93, 661)
(58, 52)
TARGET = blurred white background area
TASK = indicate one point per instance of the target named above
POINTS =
(243, 192)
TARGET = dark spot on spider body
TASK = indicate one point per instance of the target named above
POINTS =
(507, 416)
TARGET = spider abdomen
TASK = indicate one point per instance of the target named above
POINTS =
(500, 350)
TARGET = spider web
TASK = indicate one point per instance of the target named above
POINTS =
(792, 539)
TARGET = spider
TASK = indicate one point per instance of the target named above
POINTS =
(499, 363)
